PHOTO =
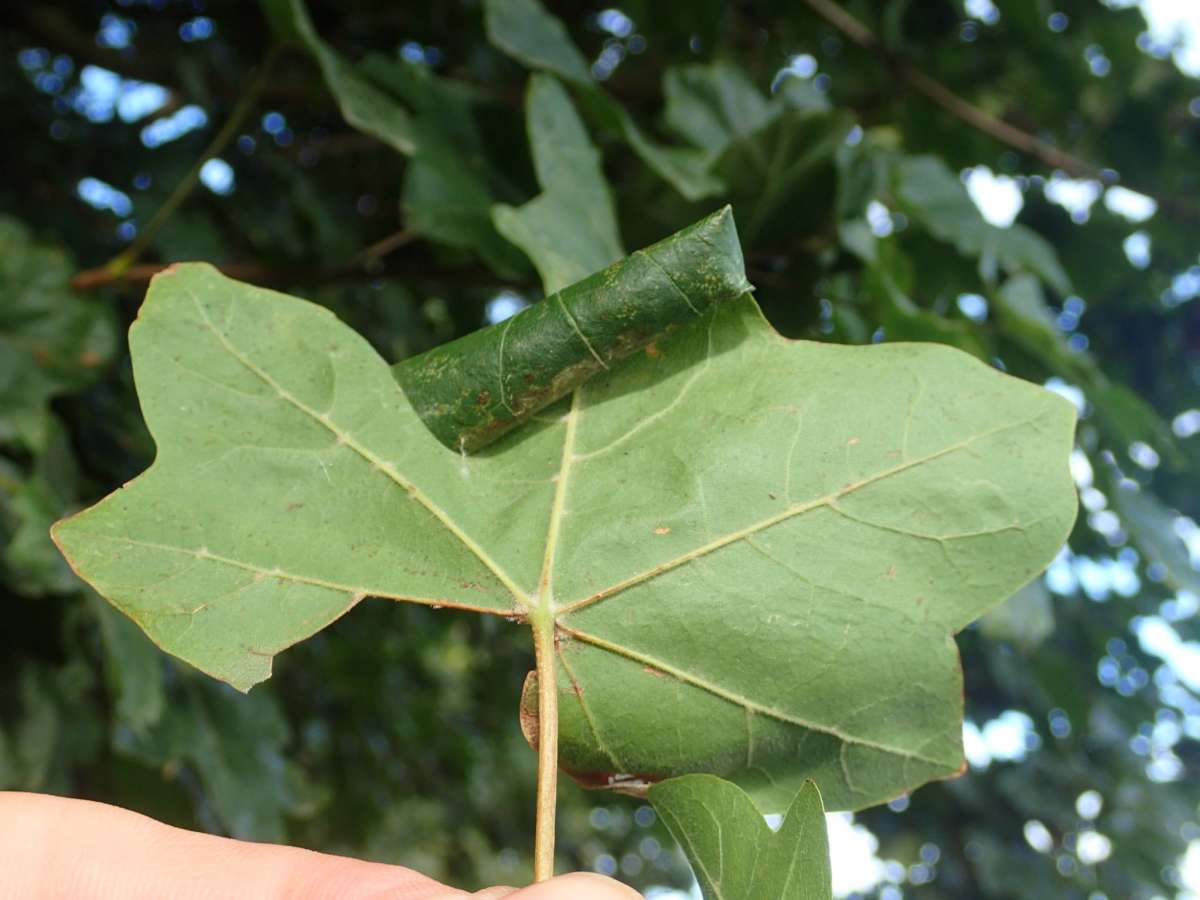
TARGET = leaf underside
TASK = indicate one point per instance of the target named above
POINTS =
(733, 853)
(756, 550)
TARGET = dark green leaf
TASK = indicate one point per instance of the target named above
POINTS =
(471, 391)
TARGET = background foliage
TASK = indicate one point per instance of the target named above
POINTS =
(363, 175)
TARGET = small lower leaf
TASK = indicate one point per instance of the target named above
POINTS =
(732, 851)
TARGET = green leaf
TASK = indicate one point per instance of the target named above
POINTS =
(733, 853)
(471, 391)
(570, 229)
(711, 105)
(1024, 317)
(236, 747)
(1026, 619)
(1152, 527)
(527, 32)
(51, 726)
(889, 280)
(133, 668)
(833, 527)
(755, 550)
(781, 177)
(448, 188)
(363, 105)
(48, 493)
(51, 341)
(447, 193)
(935, 197)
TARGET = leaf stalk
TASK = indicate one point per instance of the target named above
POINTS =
(542, 621)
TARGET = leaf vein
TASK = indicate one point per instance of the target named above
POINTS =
(789, 513)
(204, 555)
(519, 596)
(745, 702)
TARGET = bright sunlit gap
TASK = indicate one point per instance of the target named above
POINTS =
(1172, 30)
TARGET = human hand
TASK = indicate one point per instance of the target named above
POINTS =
(53, 848)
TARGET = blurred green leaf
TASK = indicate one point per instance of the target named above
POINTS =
(447, 185)
(1026, 619)
(134, 669)
(1152, 525)
(236, 745)
(47, 494)
(1023, 316)
(781, 178)
(711, 105)
(890, 280)
(364, 105)
(526, 31)
(51, 341)
(927, 190)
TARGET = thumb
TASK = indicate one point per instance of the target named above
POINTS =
(576, 886)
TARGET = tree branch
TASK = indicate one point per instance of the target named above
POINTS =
(59, 33)
(283, 276)
(984, 122)
(183, 190)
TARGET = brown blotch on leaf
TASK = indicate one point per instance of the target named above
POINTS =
(662, 529)
(527, 713)
(633, 785)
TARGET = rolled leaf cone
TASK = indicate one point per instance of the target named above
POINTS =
(471, 391)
